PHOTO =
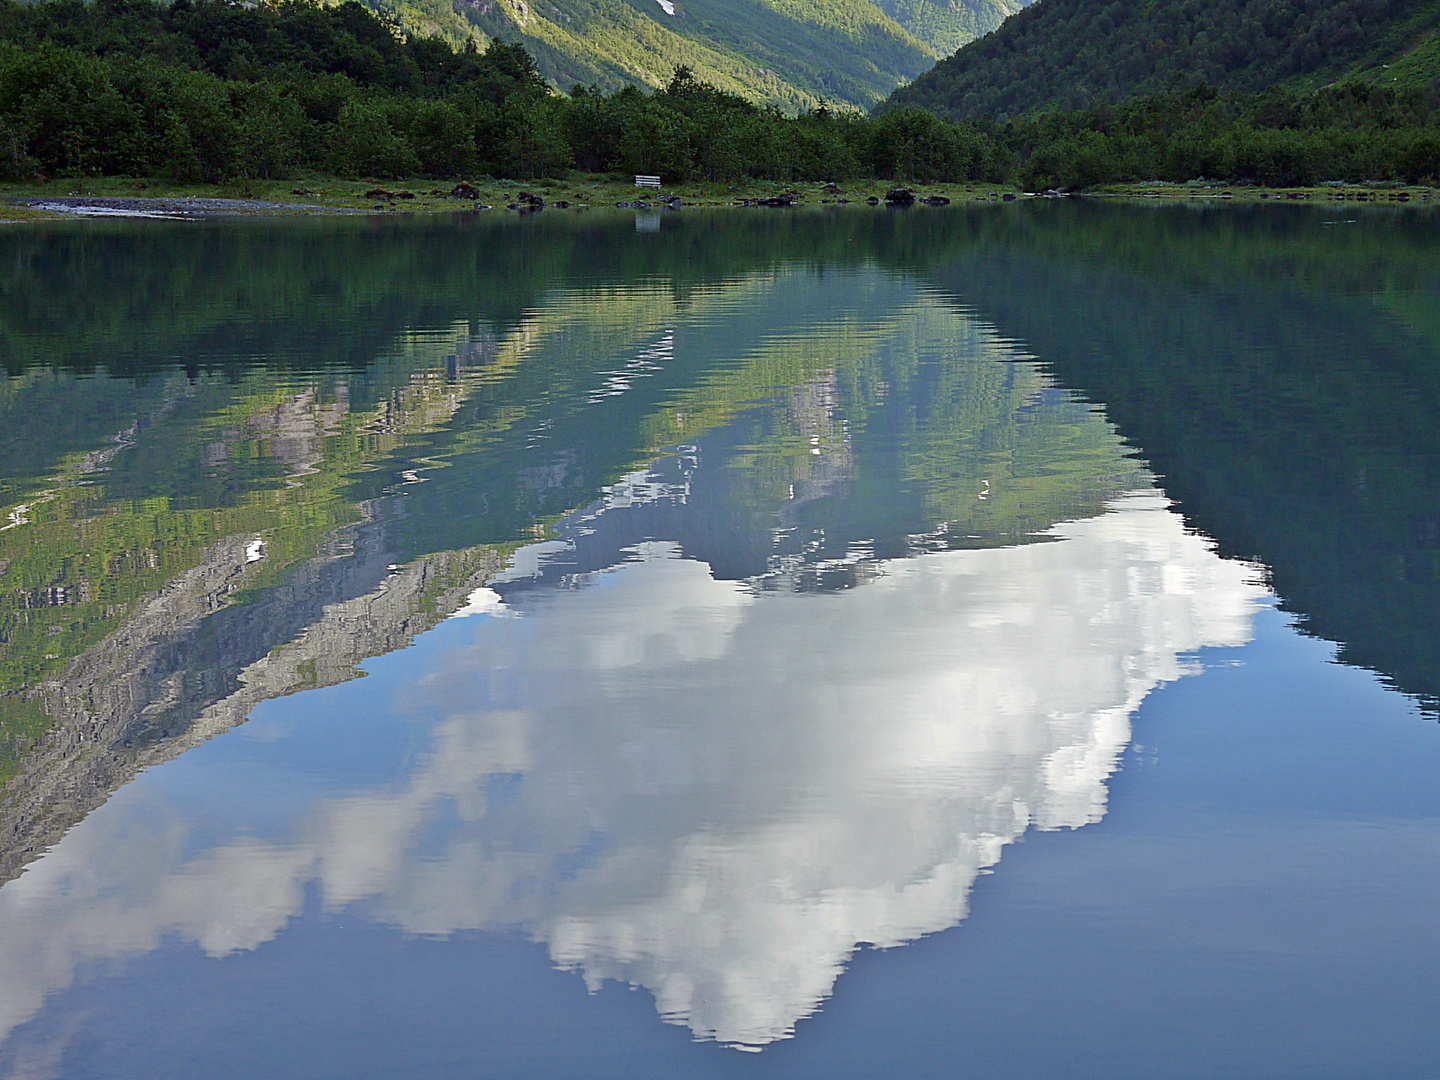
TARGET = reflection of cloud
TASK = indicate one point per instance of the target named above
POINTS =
(679, 784)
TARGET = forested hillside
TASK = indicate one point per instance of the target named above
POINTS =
(214, 91)
(217, 92)
(1071, 54)
(945, 25)
(790, 53)
(845, 51)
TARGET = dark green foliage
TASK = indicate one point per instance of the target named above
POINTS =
(1071, 54)
(207, 90)
(911, 144)
(61, 109)
(690, 130)
(210, 90)
(1355, 132)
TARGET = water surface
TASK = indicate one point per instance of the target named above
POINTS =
(994, 643)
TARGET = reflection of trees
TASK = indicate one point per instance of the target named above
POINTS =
(120, 619)
(919, 422)
(1228, 346)
(277, 488)
(1277, 375)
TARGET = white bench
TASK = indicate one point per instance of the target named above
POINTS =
(648, 182)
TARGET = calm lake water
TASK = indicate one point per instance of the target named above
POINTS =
(996, 643)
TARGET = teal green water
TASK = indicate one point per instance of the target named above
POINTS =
(881, 641)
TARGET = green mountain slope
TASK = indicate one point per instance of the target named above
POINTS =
(790, 53)
(1408, 58)
(945, 25)
(1071, 54)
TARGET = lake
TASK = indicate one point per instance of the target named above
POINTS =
(992, 642)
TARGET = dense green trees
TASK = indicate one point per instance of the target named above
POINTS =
(1354, 132)
(1071, 54)
(209, 90)
(212, 91)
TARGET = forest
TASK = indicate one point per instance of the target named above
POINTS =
(213, 91)
(1071, 54)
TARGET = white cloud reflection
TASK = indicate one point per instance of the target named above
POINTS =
(679, 784)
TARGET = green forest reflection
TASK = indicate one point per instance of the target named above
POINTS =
(238, 459)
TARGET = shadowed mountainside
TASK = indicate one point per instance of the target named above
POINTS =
(1071, 54)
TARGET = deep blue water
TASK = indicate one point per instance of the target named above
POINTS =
(965, 645)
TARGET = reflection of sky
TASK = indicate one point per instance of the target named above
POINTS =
(671, 781)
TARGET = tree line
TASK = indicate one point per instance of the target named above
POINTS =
(216, 91)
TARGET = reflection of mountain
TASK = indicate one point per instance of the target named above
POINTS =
(1274, 365)
(617, 771)
(121, 638)
(856, 415)
(513, 372)
(848, 407)
(678, 781)
(103, 715)
(140, 613)
(1281, 379)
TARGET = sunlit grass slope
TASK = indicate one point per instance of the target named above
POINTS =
(789, 53)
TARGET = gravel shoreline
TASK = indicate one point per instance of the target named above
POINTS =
(183, 208)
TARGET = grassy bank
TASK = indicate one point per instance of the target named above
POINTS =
(328, 194)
